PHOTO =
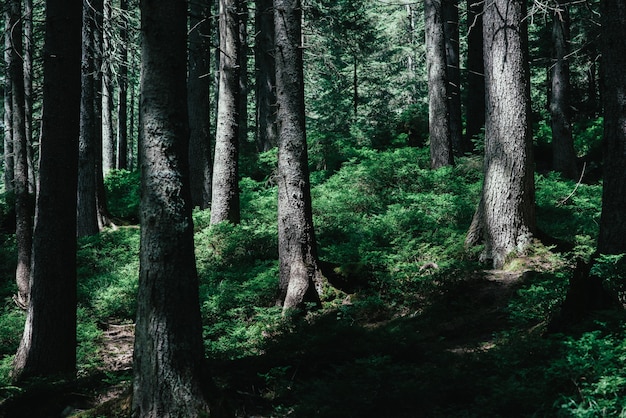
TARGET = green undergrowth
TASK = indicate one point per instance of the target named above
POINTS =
(425, 331)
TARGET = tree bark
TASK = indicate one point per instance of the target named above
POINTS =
(564, 156)
(265, 76)
(299, 272)
(23, 212)
(168, 357)
(122, 97)
(450, 14)
(612, 238)
(505, 218)
(108, 139)
(225, 187)
(198, 88)
(438, 114)
(9, 157)
(28, 96)
(475, 105)
(48, 345)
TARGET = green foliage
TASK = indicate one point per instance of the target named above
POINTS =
(88, 337)
(588, 136)
(123, 193)
(11, 328)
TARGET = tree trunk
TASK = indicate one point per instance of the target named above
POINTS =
(198, 89)
(242, 63)
(28, 96)
(168, 357)
(475, 105)
(108, 141)
(438, 114)
(225, 188)
(612, 238)
(23, 212)
(505, 218)
(450, 12)
(265, 76)
(122, 102)
(564, 156)
(87, 220)
(299, 272)
(9, 157)
(48, 345)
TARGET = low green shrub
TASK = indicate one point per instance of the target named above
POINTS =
(123, 192)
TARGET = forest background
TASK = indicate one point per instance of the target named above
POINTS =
(413, 324)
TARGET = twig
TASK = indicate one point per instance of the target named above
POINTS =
(562, 202)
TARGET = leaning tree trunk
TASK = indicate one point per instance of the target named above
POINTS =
(475, 102)
(299, 272)
(169, 355)
(198, 89)
(612, 238)
(23, 213)
(564, 156)
(225, 188)
(265, 76)
(48, 345)
(438, 114)
(505, 218)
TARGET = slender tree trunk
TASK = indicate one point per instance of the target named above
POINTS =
(198, 90)
(299, 272)
(475, 105)
(265, 76)
(225, 189)
(28, 96)
(108, 139)
(438, 114)
(48, 345)
(450, 12)
(564, 156)
(612, 238)
(169, 355)
(242, 63)
(87, 219)
(23, 212)
(122, 101)
(9, 157)
(505, 218)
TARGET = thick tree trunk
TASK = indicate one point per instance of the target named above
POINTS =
(612, 238)
(299, 273)
(122, 97)
(438, 114)
(225, 187)
(23, 212)
(475, 104)
(198, 89)
(450, 14)
(168, 357)
(564, 156)
(48, 345)
(505, 218)
(87, 220)
(266, 136)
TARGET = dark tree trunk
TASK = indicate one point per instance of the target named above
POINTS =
(48, 345)
(612, 238)
(266, 136)
(122, 101)
(299, 272)
(475, 104)
(23, 212)
(9, 157)
(28, 95)
(87, 219)
(108, 139)
(450, 12)
(168, 357)
(198, 88)
(438, 114)
(564, 156)
(225, 187)
(505, 218)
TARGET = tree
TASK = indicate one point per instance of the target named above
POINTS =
(265, 76)
(299, 272)
(23, 212)
(438, 113)
(48, 345)
(122, 97)
(564, 156)
(225, 186)
(198, 86)
(612, 238)
(168, 356)
(108, 140)
(87, 215)
(9, 159)
(475, 105)
(505, 217)
(450, 15)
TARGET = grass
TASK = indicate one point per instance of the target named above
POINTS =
(454, 340)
